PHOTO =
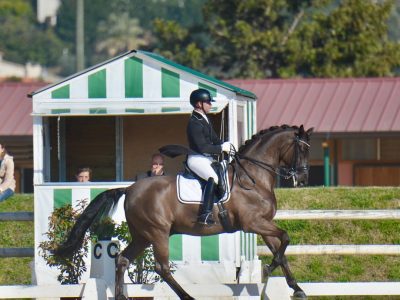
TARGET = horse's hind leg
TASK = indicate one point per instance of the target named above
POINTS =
(135, 248)
(275, 245)
(161, 254)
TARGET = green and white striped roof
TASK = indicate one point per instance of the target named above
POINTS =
(135, 82)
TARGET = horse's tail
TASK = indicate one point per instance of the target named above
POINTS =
(98, 208)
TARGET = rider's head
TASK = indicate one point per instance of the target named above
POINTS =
(200, 96)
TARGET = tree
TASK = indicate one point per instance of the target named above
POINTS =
(120, 33)
(283, 38)
(350, 41)
(178, 44)
(249, 38)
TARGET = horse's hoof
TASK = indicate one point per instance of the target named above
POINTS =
(299, 295)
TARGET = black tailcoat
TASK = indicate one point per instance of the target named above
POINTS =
(201, 136)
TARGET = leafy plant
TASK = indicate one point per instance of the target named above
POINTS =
(60, 223)
(103, 229)
(71, 269)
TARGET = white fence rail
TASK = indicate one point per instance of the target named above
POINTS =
(378, 214)
(276, 289)
(336, 249)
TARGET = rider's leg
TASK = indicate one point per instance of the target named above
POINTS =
(205, 216)
(201, 165)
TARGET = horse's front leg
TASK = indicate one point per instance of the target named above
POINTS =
(277, 240)
(278, 249)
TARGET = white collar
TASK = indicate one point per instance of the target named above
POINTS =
(202, 114)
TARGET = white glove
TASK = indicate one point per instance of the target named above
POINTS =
(226, 147)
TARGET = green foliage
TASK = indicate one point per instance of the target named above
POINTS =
(22, 39)
(227, 39)
(15, 8)
(103, 230)
(258, 39)
(60, 223)
(349, 41)
(176, 43)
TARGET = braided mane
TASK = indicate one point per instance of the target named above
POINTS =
(265, 132)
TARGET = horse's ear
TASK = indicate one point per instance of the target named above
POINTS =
(309, 131)
(301, 130)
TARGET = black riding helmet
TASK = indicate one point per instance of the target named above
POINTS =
(201, 95)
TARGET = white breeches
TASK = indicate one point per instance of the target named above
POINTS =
(201, 165)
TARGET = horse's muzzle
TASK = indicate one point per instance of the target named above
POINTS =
(300, 178)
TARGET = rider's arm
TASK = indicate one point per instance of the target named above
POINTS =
(197, 133)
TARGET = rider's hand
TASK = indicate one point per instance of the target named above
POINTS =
(226, 147)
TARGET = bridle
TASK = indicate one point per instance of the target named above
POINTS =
(290, 172)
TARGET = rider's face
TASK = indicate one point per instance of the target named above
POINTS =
(206, 107)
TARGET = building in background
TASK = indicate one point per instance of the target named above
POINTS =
(16, 129)
(356, 122)
(47, 11)
(27, 72)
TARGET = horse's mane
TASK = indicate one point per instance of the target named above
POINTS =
(265, 133)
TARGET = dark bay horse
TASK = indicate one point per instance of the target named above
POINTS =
(153, 212)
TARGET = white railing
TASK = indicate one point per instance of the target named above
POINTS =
(376, 214)
(276, 288)
(335, 249)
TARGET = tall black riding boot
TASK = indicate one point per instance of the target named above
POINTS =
(206, 217)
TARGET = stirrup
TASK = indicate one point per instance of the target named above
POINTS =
(206, 219)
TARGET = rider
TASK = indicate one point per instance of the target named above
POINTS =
(204, 141)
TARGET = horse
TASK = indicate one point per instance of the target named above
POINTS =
(153, 212)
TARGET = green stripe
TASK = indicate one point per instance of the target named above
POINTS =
(97, 84)
(213, 91)
(134, 110)
(170, 109)
(210, 248)
(58, 111)
(98, 110)
(175, 247)
(62, 197)
(170, 84)
(198, 74)
(134, 78)
(94, 192)
(61, 93)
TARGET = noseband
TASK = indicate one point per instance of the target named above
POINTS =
(287, 173)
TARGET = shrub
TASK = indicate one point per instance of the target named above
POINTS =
(60, 223)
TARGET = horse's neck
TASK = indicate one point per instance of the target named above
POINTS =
(268, 152)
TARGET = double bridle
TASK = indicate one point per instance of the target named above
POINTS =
(287, 173)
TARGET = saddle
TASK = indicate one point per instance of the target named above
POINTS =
(190, 187)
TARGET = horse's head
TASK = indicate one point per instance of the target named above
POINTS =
(295, 156)
(280, 146)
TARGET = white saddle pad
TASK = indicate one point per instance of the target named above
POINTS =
(189, 190)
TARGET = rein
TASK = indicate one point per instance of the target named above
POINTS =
(289, 172)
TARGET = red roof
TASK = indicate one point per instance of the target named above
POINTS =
(16, 107)
(328, 105)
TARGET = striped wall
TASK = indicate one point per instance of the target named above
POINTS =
(130, 85)
(183, 248)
